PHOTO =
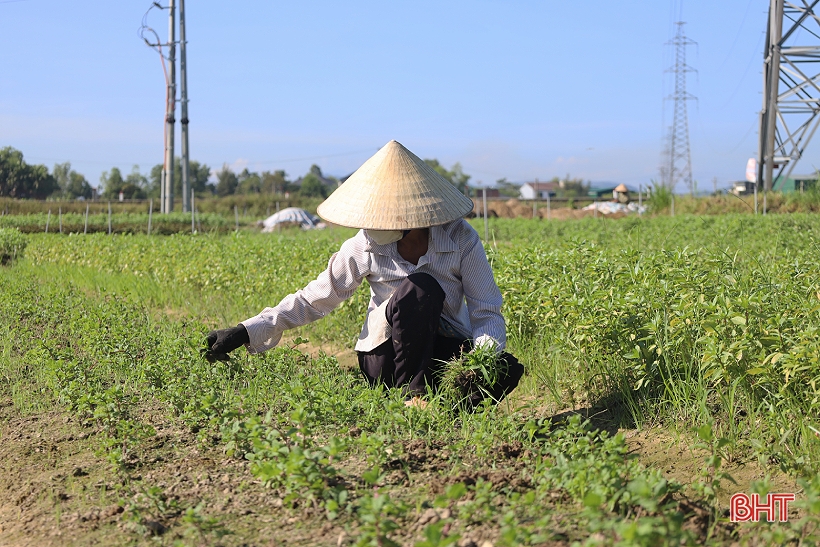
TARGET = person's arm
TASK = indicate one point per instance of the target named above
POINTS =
(480, 291)
(344, 273)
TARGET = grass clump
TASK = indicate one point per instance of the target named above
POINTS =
(470, 378)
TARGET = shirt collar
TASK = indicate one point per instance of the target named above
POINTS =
(441, 242)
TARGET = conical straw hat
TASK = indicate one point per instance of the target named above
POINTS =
(621, 188)
(395, 190)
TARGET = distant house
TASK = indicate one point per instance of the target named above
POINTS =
(742, 187)
(491, 192)
(602, 190)
(794, 183)
(538, 190)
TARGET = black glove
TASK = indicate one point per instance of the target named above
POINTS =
(221, 342)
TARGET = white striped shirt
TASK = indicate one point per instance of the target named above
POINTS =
(455, 258)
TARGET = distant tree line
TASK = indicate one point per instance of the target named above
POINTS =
(22, 180)
(26, 181)
(138, 186)
(455, 175)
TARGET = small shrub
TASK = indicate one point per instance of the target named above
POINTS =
(659, 197)
(12, 244)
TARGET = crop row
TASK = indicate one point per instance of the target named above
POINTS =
(325, 443)
(694, 320)
(120, 223)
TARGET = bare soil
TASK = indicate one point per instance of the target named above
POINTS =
(675, 457)
(57, 488)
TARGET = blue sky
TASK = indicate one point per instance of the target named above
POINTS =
(515, 89)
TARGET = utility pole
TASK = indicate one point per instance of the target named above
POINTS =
(168, 179)
(183, 89)
(791, 96)
(679, 166)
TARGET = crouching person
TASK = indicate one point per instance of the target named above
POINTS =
(432, 291)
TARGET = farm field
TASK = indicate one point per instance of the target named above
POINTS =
(671, 362)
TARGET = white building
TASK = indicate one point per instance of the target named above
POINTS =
(538, 190)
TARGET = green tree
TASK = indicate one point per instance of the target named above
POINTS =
(249, 183)
(72, 184)
(62, 174)
(327, 180)
(112, 182)
(226, 182)
(198, 175)
(78, 187)
(312, 186)
(136, 178)
(135, 184)
(274, 183)
(506, 188)
(24, 181)
(155, 181)
(455, 175)
(571, 187)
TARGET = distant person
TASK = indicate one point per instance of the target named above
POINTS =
(621, 194)
(432, 291)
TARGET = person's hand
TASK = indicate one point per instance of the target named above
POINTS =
(219, 343)
(416, 402)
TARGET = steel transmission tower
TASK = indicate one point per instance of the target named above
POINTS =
(677, 164)
(791, 87)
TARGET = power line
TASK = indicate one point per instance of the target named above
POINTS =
(250, 162)
(309, 158)
(734, 42)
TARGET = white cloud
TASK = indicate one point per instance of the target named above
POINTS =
(239, 165)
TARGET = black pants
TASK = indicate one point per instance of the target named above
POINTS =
(416, 354)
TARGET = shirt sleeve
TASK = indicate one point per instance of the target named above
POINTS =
(344, 273)
(480, 291)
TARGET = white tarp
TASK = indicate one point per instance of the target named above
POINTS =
(609, 207)
(290, 216)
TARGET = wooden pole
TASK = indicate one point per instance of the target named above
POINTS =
(48, 219)
(755, 197)
(486, 227)
(85, 228)
(150, 214)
